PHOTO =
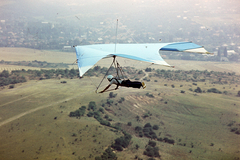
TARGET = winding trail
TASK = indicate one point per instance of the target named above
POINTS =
(146, 75)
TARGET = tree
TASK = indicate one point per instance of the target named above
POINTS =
(152, 151)
(5, 74)
(11, 86)
(138, 128)
(92, 105)
(101, 110)
(155, 127)
(152, 143)
(238, 94)
(137, 146)
(107, 155)
(122, 142)
(147, 125)
(111, 95)
(148, 69)
(198, 90)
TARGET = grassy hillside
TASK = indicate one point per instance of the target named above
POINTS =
(35, 122)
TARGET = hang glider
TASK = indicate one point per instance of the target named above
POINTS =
(89, 55)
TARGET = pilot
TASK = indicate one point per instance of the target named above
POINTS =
(125, 83)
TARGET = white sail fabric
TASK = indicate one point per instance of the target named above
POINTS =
(89, 55)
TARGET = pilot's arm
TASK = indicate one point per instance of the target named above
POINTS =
(105, 88)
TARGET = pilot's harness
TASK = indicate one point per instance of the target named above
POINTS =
(119, 70)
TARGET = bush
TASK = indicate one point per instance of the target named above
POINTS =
(101, 110)
(107, 155)
(90, 114)
(170, 141)
(147, 125)
(152, 151)
(111, 95)
(117, 147)
(148, 69)
(92, 105)
(11, 86)
(214, 90)
(198, 90)
(150, 95)
(78, 113)
(140, 72)
(121, 100)
(155, 127)
(152, 143)
(122, 142)
(138, 128)
(5, 74)
(109, 101)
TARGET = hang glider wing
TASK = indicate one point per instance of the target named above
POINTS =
(89, 55)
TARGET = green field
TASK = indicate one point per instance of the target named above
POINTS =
(35, 122)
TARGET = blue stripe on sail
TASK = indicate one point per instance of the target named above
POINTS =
(168, 49)
(180, 46)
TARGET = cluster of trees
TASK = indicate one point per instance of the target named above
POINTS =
(107, 155)
(97, 114)
(166, 140)
(110, 101)
(151, 150)
(79, 112)
(97, 70)
(197, 76)
(211, 90)
(35, 63)
(198, 90)
(19, 76)
(122, 142)
(214, 90)
(147, 131)
(7, 78)
(234, 127)
(235, 130)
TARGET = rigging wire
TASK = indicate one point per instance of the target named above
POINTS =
(116, 37)
(106, 73)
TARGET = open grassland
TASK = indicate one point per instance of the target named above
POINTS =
(35, 122)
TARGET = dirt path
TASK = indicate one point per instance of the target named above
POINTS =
(18, 99)
(36, 109)
(146, 75)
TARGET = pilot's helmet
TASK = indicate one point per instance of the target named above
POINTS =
(109, 77)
